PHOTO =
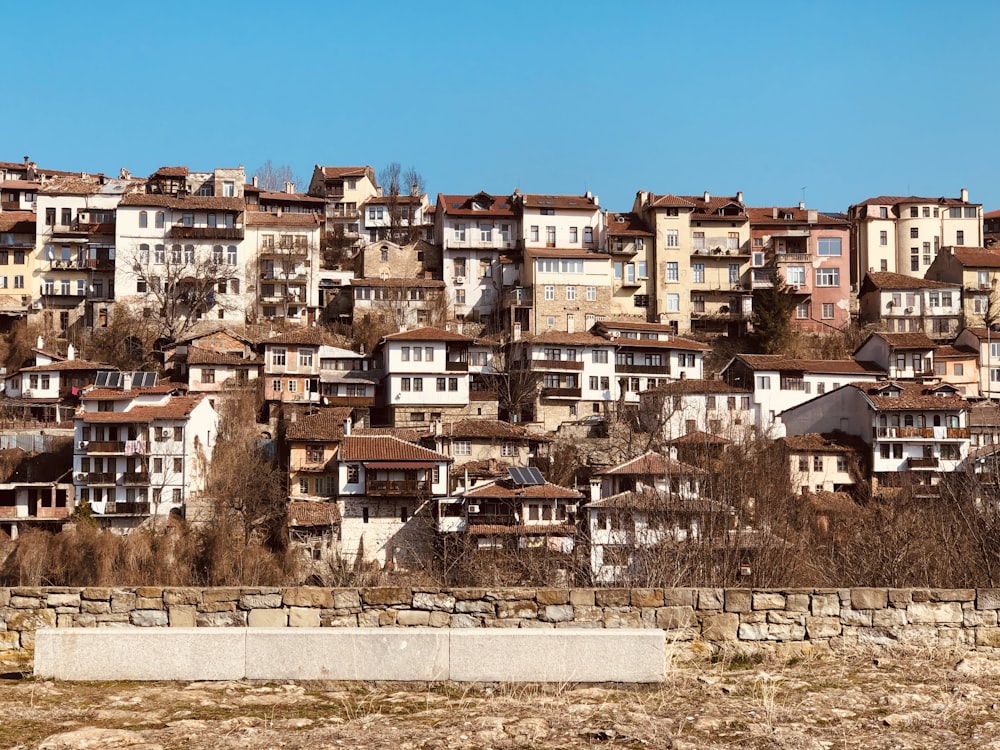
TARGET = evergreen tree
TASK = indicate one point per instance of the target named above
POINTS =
(772, 315)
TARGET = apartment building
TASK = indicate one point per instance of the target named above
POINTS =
(398, 218)
(959, 366)
(702, 255)
(630, 244)
(140, 449)
(17, 245)
(977, 271)
(566, 290)
(897, 302)
(48, 390)
(903, 234)
(345, 191)
(811, 253)
(285, 252)
(686, 407)
(984, 345)
(902, 356)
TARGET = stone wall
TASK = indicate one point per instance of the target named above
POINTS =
(786, 620)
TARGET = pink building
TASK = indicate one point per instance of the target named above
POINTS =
(811, 252)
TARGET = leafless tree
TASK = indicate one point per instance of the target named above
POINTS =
(401, 189)
(514, 382)
(126, 342)
(273, 178)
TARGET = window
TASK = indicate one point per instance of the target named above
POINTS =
(763, 384)
(828, 277)
(802, 310)
(591, 294)
(698, 303)
(959, 368)
(618, 270)
(550, 236)
(588, 235)
(734, 273)
(276, 385)
(293, 386)
(550, 292)
(803, 463)
(418, 384)
(441, 384)
(429, 353)
(405, 384)
(630, 272)
(278, 356)
(140, 286)
(640, 300)
(143, 220)
(796, 275)
(573, 235)
(50, 217)
(883, 212)
(914, 233)
(673, 303)
(534, 233)
(463, 447)
(673, 273)
(66, 217)
(453, 384)
(305, 358)
(599, 356)
(698, 273)
(571, 294)
(733, 241)
(208, 375)
(673, 238)
(829, 246)
(827, 311)
(817, 463)
(883, 238)
(959, 237)
(970, 212)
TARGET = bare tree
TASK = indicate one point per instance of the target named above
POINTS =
(515, 384)
(273, 178)
(402, 190)
(126, 342)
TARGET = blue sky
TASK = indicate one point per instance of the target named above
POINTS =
(845, 99)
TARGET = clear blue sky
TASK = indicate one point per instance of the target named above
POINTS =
(846, 99)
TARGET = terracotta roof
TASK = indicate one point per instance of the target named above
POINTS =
(700, 437)
(781, 362)
(192, 202)
(505, 489)
(307, 336)
(976, 257)
(385, 448)
(705, 210)
(651, 464)
(69, 364)
(912, 340)
(580, 338)
(11, 304)
(267, 219)
(170, 172)
(814, 442)
(911, 396)
(696, 386)
(409, 434)
(893, 200)
(951, 352)
(399, 282)
(178, 407)
(304, 513)
(650, 500)
(765, 215)
(345, 171)
(984, 414)
(20, 185)
(113, 394)
(489, 429)
(561, 529)
(18, 221)
(889, 280)
(674, 342)
(401, 200)
(72, 185)
(323, 426)
(995, 214)
(630, 225)
(571, 202)
(669, 201)
(276, 196)
(427, 334)
(983, 333)
(462, 205)
(198, 356)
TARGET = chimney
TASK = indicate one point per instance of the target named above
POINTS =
(70, 352)
(253, 181)
(347, 427)
(707, 197)
(774, 212)
(802, 205)
(813, 216)
(595, 490)
(124, 174)
(415, 189)
(516, 333)
(739, 196)
(965, 195)
(40, 343)
(289, 187)
(26, 161)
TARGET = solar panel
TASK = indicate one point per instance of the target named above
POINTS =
(525, 476)
(102, 379)
(115, 380)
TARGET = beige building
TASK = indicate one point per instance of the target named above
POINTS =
(630, 244)
(904, 234)
(977, 270)
(346, 191)
(565, 290)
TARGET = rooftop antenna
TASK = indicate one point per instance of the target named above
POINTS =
(804, 194)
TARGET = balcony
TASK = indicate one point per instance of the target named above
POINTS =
(126, 509)
(98, 447)
(561, 393)
(135, 478)
(643, 369)
(483, 395)
(550, 364)
(518, 297)
(492, 244)
(77, 228)
(451, 366)
(623, 248)
(343, 214)
(629, 282)
(278, 276)
(793, 258)
(79, 264)
(268, 251)
(922, 463)
(179, 231)
(352, 401)
(101, 479)
(10, 205)
(924, 433)
(397, 486)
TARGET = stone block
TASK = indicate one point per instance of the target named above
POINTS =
(347, 654)
(308, 596)
(856, 618)
(217, 607)
(369, 618)
(512, 593)
(96, 593)
(26, 602)
(768, 600)
(95, 607)
(711, 598)
(340, 621)
(552, 596)
(721, 628)
(143, 602)
(267, 618)
(672, 618)
(612, 597)
(149, 592)
(584, 614)
(303, 617)
(148, 618)
(84, 621)
(464, 621)
(442, 602)
(783, 617)
(233, 619)
(9, 641)
(520, 609)
(412, 617)
(31, 619)
(558, 655)
(64, 620)
(182, 616)
(467, 593)
(438, 619)
(752, 631)
(647, 598)
(979, 618)
(346, 599)
(679, 597)
(63, 600)
(387, 618)
(953, 595)
(785, 632)
(739, 600)
(920, 595)
(384, 596)
(182, 596)
(825, 605)
(582, 597)
(921, 613)
(536, 624)
(186, 654)
(477, 606)
(869, 598)
(122, 601)
(556, 613)
(4, 597)
(822, 627)
(797, 602)
(988, 637)
(889, 618)
(988, 599)
(210, 596)
(618, 619)
(260, 601)
(900, 597)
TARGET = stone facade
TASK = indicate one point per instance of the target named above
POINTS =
(790, 619)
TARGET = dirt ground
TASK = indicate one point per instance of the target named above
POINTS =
(857, 700)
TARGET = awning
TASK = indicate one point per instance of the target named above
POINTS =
(398, 464)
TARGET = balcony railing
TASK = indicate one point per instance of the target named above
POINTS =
(76, 264)
(132, 478)
(643, 369)
(451, 366)
(483, 395)
(126, 508)
(101, 478)
(552, 364)
(518, 297)
(397, 486)
(561, 393)
(105, 446)
(949, 433)
(922, 463)
(354, 401)
(179, 231)
(793, 258)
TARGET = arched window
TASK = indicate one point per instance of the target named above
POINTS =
(143, 220)
(144, 253)
(159, 219)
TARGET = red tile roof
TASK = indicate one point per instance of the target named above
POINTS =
(764, 216)
(579, 338)
(170, 172)
(651, 464)
(670, 201)
(705, 210)
(283, 197)
(489, 429)
(427, 334)
(950, 352)
(975, 257)
(889, 280)
(911, 396)
(113, 394)
(333, 172)
(69, 364)
(325, 425)
(699, 437)
(913, 340)
(304, 513)
(650, 500)
(504, 489)
(20, 185)
(190, 202)
(307, 336)
(267, 219)
(781, 362)
(198, 356)
(630, 225)
(814, 442)
(695, 386)
(570, 202)
(401, 200)
(562, 529)
(385, 448)
(178, 407)
(462, 205)
(18, 221)
(894, 200)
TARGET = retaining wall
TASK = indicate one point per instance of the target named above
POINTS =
(783, 619)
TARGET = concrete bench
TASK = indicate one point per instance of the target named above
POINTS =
(406, 654)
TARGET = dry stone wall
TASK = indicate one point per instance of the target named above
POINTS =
(783, 619)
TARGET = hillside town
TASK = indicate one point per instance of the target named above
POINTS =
(451, 377)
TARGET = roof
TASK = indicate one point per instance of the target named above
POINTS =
(831, 502)
(765, 215)
(170, 172)
(978, 257)
(911, 340)
(18, 221)
(273, 195)
(669, 201)
(630, 224)
(409, 434)
(559, 529)
(709, 209)
(985, 414)
(696, 386)
(890, 280)
(385, 448)
(893, 200)
(781, 362)
(401, 200)
(504, 488)
(20, 185)
(650, 500)
(427, 334)
(950, 352)
(651, 464)
(192, 202)
(488, 429)
(700, 437)
(570, 202)
(322, 426)
(308, 336)
(398, 282)
(566, 252)
(814, 442)
(116, 394)
(462, 205)
(580, 338)
(333, 172)
(198, 356)
(69, 364)
(265, 218)
(178, 407)
(911, 396)
(674, 342)
(994, 214)
(305, 513)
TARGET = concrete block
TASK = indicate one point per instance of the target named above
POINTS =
(140, 654)
(347, 654)
(558, 655)
(267, 618)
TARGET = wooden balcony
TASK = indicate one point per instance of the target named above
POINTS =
(454, 366)
(561, 393)
(99, 447)
(549, 364)
(135, 478)
(98, 478)
(352, 401)
(127, 509)
(205, 233)
(643, 369)
(407, 487)
(482, 395)
(922, 463)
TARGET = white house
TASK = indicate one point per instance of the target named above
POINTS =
(687, 406)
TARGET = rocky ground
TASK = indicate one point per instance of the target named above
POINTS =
(889, 700)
